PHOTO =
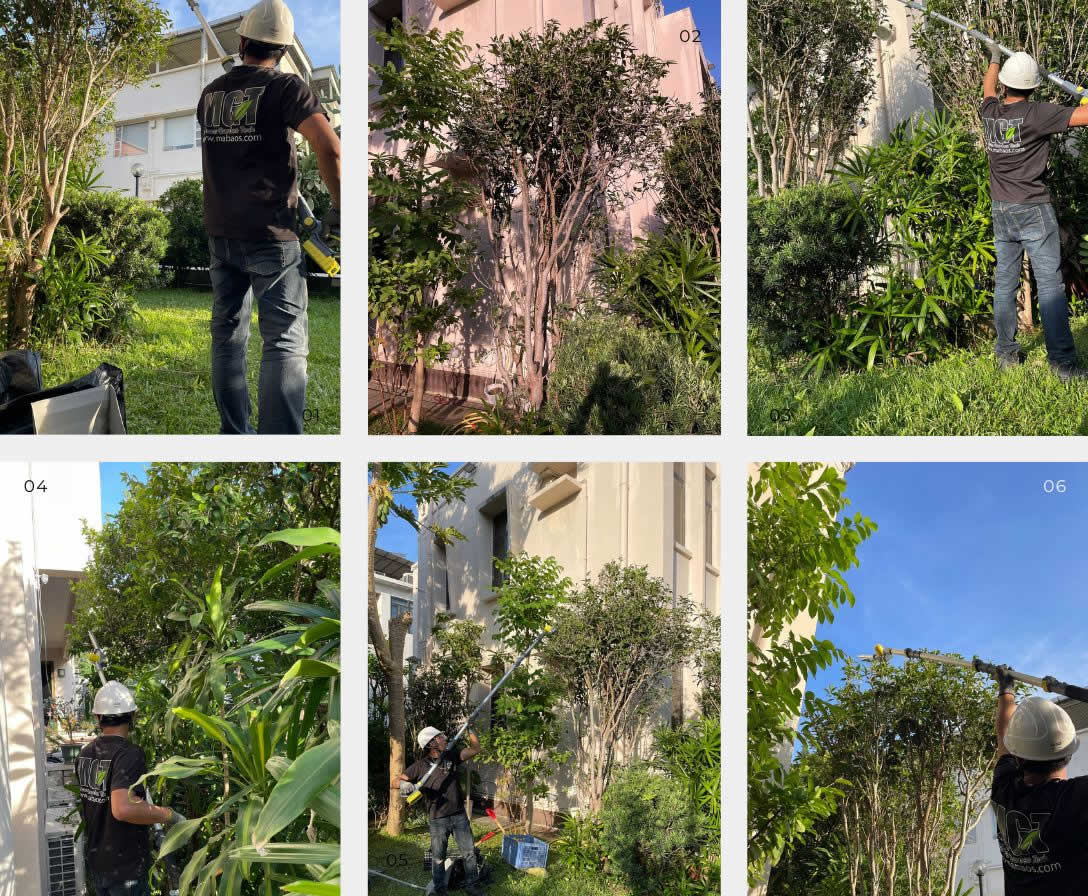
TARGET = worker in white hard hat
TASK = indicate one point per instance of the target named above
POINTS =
(445, 804)
(1017, 133)
(114, 807)
(248, 118)
(1042, 813)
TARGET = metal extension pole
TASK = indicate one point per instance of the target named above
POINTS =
(395, 880)
(416, 794)
(1047, 683)
(98, 653)
(225, 59)
(1072, 89)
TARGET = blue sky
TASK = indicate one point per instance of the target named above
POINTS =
(113, 489)
(317, 22)
(400, 538)
(970, 559)
(708, 18)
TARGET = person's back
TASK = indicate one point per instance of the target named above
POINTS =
(116, 850)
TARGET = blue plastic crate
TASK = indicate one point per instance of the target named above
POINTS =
(524, 851)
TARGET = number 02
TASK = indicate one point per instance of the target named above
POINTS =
(690, 37)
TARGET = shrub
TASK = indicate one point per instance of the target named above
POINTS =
(611, 377)
(807, 258)
(133, 231)
(671, 283)
(183, 204)
(648, 825)
(578, 845)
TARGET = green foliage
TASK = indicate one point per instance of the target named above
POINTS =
(811, 71)
(173, 531)
(75, 300)
(134, 231)
(611, 377)
(648, 827)
(83, 176)
(691, 185)
(928, 187)
(418, 253)
(187, 242)
(799, 545)
(578, 846)
(808, 254)
(438, 692)
(673, 285)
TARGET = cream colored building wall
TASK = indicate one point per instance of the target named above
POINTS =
(37, 532)
(621, 511)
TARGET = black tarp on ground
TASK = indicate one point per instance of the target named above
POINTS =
(22, 370)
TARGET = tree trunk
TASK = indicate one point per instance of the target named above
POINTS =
(21, 310)
(419, 380)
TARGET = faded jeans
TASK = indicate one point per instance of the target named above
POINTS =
(137, 887)
(1033, 228)
(441, 828)
(270, 272)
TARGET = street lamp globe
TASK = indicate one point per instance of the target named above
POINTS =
(978, 867)
(137, 170)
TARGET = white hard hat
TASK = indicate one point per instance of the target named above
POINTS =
(426, 736)
(1020, 71)
(113, 699)
(1040, 730)
(270, 22)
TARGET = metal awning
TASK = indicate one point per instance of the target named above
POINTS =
(390, 565)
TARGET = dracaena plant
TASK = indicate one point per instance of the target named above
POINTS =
(268, 714)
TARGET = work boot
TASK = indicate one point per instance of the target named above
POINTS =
(1005, 362)
(1067, 372)
(475, 890)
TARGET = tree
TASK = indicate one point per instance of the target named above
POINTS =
(810, 74)
(525, 728)
(418, 253)
(691, 175)
(799, 545)
(62, 63)
(177, 528)
(618, 639)
(566, 126)
(187, 243)
(389, 482)
(917, 743)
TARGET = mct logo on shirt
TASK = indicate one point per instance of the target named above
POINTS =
(93, 775)
(1003, 134)
(231, 116)
(1022, 844)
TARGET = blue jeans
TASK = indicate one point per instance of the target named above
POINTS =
(1033, 228)
(271, 272)
(441, 828)
(137, 887)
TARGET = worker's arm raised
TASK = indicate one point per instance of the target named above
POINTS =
(1080, 117)
(473, 748)
(1006, 706)
(129, 808)
(989, 83)
(326, 144)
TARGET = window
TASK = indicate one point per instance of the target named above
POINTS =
(678, 504)
(179, 132)
(398, 606)
(500, 545)
(130, 139)
(710, 555)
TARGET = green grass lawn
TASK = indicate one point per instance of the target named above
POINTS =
(964, 394)
(402, 858)
(167, 364)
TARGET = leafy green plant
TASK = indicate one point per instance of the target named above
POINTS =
(673, 284)
(187, 240)
(691, 180)
(578, 845)
(84, 176)
(503, 417)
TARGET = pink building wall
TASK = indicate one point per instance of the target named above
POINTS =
(669, 37)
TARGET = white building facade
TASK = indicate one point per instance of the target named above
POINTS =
(665, 517)
(155, 122)
(982, 842)
(395, 581)
(42, 551)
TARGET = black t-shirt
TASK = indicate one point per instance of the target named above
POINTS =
(116, 850)
(1018, 145)
(443, 789)
(1043, 833)
(250, 164)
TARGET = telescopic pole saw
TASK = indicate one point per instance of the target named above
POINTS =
(1058, 81)
(412, 797)
(1047, 683)
(225, 59)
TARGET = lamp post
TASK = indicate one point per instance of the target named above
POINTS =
(979, 868)
(137, 172)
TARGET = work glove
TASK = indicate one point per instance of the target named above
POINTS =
(1006, 684)
(407, 788)
(175, 818)
(330, 227)
(995, 52)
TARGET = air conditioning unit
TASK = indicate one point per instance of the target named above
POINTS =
(65, 860)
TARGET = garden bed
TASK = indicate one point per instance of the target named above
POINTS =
(402, 858)
(167, 364)
(963, 394)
